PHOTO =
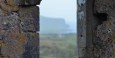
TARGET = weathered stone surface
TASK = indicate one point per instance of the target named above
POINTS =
(8, 6)
(81, 41)
(96, 28)
(29, 18)
(9, 30)
(28, 2)
(104, 6)
(18, 33)
(104, 44)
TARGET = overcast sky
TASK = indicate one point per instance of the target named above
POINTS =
(60, 9)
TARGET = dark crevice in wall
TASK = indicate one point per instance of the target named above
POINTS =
(101, 17)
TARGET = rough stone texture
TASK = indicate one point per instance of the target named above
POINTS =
(28, 2)
(96, 28)
(81, 40)
(105, 6)
(104, 44)
(18, 32)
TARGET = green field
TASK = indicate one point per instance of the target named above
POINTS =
(56, 46)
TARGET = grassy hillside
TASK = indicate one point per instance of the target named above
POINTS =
(54, 46)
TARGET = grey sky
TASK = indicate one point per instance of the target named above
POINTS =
(60, 9)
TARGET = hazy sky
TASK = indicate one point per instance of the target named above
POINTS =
(60, 9)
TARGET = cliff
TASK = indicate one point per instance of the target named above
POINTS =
(53, 25)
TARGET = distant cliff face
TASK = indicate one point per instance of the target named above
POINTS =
(53, 25)
(18, 37)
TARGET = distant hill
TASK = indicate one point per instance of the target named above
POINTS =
(53, 25)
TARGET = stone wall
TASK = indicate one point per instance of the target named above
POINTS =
(81, 28)
(96, 28)
(19, 27)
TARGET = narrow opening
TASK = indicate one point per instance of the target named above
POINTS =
(58, 29)
(101, 17)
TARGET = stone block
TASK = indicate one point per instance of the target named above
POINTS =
(28, 2)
